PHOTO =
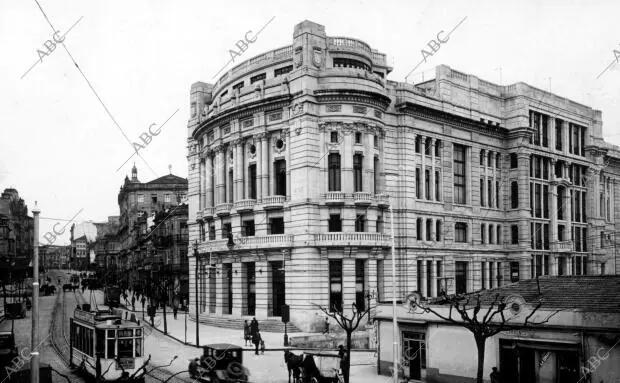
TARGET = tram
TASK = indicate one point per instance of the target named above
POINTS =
(106, 347)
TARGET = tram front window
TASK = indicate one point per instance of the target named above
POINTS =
(138, 347)
(111, 349)
(125, 348)
(100, 346)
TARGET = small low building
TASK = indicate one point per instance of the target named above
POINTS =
(579, 340)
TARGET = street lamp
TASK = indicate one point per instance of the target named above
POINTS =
(34, 362)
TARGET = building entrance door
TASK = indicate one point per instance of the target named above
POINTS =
(414, 352)
(277, 288)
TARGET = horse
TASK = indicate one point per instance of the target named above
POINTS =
(293, 363)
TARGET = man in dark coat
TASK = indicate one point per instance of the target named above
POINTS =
(253, 327)
(256, 339)
(344, 362)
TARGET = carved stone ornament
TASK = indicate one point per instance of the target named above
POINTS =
(317, 57)
(299, 57)
(276, 142)
(298, 108)
(248, 149)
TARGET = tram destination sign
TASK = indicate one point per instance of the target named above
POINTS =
(84, 316)
(125, 364)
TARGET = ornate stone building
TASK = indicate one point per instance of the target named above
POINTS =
(300, 152)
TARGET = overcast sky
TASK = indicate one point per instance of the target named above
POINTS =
(58, 145)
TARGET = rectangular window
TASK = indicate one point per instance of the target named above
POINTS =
(545, 201)
(252, 177)
(248, 228)
(376, 175)
(437, 190)
(335, 285)
(545, 139)
(360, 223)
(211, 232)
(226, 229)
(280, 175)
(537, 197)
(140, 198)
(357, 172)
(459, 174)
(333, 137)
(358, 137)
(333, 172)
(380, 224)
(514, 272)
(166, 197)
(514, 162)
(482, 198)
(417, 183)
(582, 142)
(283, 70)
(238, 86)
(276, 225)
(460, 232)
(514, 234)
(483, 234)
(258, 77)
(360, 298)
(490, 192)
(335, 223)
(460, 277)
(427, 184)
(558, 134)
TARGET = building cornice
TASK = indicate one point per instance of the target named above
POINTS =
(423, 112)
(374, 99)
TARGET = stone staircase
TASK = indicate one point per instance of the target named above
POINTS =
(266, 325)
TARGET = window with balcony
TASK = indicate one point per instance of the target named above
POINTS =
(360, 298)
(333, 182)
(375, 183)
(276, 226)
(335, 223)
(282, 71)
(357, 172)
(335, 285)
(459, 175)
(460, 277)
(360, 223)
(252, 181)
(460, 232)
(280, 177)
(380, 224)
(258, 77)
(248, 228)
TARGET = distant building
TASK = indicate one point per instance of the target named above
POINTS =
(137, 201)
(107, 245)
(575, 345)
(80, 257)
(16, 236)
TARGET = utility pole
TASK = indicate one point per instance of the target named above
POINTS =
(197, 309)
(34, 354)
(394, 312)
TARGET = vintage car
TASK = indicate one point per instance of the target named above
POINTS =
(15, 310)
(220, 362)
(8, 349)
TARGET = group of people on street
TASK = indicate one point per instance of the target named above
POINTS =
(251, 333)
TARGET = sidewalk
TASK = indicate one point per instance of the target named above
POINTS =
(267, 368)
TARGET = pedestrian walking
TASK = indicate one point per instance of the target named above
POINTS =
(326, 328)
(256, 339)
(494, 376)
(246, 333)
(143, 301)
(253, 327)
(133, 302)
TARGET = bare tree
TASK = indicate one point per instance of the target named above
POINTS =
(469, 307)
(349, 325)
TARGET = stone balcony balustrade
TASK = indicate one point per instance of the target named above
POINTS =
(352, 239)
(245, 205)
(223, 209)
(273, 202)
